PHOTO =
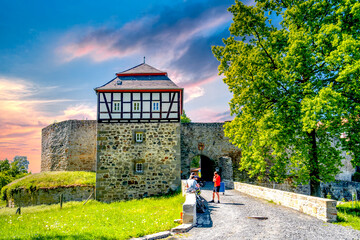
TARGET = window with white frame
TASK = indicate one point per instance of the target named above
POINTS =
(116, 106)
(156, 106)
(136, 106)
(139, 136)
(139, 168)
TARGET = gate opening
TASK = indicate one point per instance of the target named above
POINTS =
(203, 166)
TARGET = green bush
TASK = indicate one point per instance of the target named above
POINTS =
(4, 179)
(352, 208)
(9, 171)
(349, 214)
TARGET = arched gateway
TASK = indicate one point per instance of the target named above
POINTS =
(207, 140)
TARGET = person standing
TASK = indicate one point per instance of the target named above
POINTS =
(216, 180)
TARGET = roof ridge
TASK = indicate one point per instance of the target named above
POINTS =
(143, 68)
(132, 67)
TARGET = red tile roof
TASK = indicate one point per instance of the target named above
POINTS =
(140, 77)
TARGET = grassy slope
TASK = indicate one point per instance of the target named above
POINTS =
(50, 180)
(349, 214)
(95, 220)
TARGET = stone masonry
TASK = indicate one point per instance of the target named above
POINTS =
(24, 198)
(118, 153)
(69, 146)
(216, 146)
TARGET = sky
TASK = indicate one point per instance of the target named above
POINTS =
(54, 53)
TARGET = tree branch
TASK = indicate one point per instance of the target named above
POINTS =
(267, 54)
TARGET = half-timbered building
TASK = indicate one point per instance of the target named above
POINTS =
(138, 135)
(140, 94)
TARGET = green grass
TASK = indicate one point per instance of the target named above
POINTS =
(95, 220)
(349, 214)
(50, 180)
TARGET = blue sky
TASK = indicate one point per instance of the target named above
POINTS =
(54, 53)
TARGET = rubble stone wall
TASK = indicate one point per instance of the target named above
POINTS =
(340, 190)
(69, 146)
(216, 145)
(118, 153)
(24, 198)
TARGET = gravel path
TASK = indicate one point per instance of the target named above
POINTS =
(229, 220)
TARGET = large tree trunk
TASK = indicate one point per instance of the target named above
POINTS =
(314, 166)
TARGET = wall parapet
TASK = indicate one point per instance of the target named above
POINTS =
(189, 206)
(321, 208)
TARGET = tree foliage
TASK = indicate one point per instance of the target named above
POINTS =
(184, 118)
(295, 85)
(195, 162)
(9, 171)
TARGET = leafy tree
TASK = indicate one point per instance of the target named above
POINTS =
(195, 162)
(4, 165)
(9, 171)
(5, 179)
(184, 118)
(295, 85)
(22, 162)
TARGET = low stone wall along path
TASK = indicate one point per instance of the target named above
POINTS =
(236, 217)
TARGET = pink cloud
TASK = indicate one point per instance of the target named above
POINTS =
(208, 115)
(192, 93)
(21, 121)
(146, 36)
(201, 82)
(97, 52)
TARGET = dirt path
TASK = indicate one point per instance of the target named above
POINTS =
(230, 220)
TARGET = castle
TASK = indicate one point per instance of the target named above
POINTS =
(137, 145)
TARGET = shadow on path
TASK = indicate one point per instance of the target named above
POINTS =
(203, 220)
(235, 204)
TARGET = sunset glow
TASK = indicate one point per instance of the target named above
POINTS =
(51, 63)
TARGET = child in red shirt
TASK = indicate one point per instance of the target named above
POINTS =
(216, 181)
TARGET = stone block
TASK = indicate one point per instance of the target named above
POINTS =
(189, 208)
(182, 228)
(187, 218)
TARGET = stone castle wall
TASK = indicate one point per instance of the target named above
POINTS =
(69, 146)
(339, 190)
(24, 198)
(118, 153)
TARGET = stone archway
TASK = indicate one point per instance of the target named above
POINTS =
(207, 166)
(207, 140)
